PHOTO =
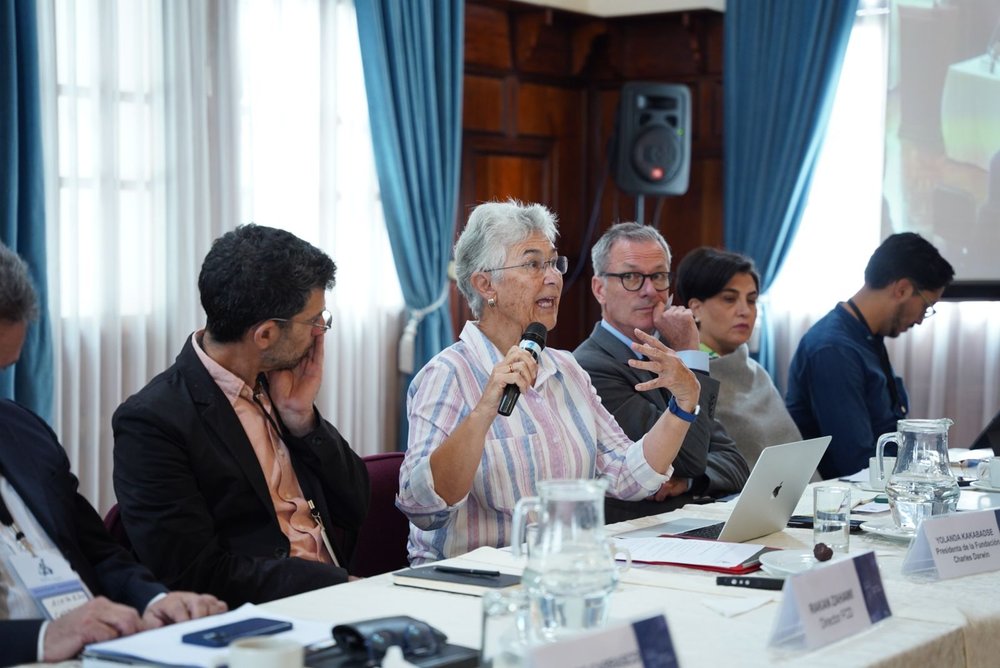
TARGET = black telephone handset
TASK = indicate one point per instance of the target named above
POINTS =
(371, 638)
(363, 644)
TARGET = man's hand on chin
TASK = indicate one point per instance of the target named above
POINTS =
(676, 326)
(294, 391)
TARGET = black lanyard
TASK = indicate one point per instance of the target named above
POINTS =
(7, 520)
(883, 358)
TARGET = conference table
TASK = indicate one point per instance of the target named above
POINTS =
(934, 623)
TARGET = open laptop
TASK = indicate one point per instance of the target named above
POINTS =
(767, 501)
(989, 437)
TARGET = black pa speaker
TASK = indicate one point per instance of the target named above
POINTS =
(654, 139)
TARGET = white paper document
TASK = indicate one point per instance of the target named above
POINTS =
(663, 550)
(163, 646)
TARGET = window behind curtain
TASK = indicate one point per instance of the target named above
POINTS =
(950, 367)
(168, 123)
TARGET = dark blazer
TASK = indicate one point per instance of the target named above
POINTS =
(708, 455)
(35, 465)
(194, 500)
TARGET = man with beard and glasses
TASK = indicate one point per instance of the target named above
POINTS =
(228, 479)
(841, 382)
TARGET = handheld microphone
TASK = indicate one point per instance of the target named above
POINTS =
(533, 340)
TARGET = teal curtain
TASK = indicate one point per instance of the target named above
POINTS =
(781, 66)
(22, 196)
(412, 53)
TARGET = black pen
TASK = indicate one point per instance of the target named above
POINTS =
(774, 584)
(470, 572)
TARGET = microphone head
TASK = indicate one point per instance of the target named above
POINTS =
(535, 332)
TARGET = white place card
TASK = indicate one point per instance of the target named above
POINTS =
(954, 545)
(642, 644)
(830, 602)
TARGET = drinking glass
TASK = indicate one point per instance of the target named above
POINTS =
(832, 516)
(506, 628)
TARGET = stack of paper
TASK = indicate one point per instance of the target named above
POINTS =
(710, 555)
(163, 646)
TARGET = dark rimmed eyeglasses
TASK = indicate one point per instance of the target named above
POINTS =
(929, 309)
(323, 321)
(633, 280)
(539, 267)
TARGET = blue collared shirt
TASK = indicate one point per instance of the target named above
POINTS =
(696, 360)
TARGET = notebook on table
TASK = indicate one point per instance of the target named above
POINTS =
(768, 499)
(469, 581)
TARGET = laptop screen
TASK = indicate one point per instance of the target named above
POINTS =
(990, 436)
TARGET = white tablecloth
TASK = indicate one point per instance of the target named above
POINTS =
(945, 623)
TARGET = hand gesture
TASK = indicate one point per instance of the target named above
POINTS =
(671, 371)
(293, 391)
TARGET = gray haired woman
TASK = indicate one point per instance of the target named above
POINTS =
(466, 466)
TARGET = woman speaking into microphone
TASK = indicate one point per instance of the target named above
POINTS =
(467, 462)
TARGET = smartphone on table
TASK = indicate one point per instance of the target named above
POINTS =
(221, 636)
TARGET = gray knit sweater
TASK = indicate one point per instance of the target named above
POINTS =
(749, 405)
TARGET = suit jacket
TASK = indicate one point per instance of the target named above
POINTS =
(194, 500)
(34, 463)
(708, 455)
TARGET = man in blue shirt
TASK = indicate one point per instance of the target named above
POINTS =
(841, 382)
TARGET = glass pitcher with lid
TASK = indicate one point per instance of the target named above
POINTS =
(921, 484)
(571, 568)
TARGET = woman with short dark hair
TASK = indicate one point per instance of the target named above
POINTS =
(721, 289)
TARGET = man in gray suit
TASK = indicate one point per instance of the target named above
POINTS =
(632, 282)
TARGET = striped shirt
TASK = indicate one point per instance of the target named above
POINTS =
(558, 429)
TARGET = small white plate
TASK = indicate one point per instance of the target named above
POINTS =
(782, 563)
(979, 484)
(866, 487)
(887, 528)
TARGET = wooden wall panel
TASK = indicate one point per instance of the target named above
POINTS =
(541, 96)
(484, 104)
(487, 40)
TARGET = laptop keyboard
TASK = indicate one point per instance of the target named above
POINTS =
(711, 531)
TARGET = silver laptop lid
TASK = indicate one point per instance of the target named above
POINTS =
(773, 489)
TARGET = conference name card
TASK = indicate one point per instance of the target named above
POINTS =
(642, 644)
(955, 545)
(830, 602)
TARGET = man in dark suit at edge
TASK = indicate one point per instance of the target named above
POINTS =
(228, 479)
(44, 520)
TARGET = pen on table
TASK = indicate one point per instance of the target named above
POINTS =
(471, 572)
(774, 584)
